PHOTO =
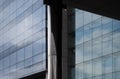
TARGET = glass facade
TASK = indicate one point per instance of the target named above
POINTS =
(97, 46)
(22, 38)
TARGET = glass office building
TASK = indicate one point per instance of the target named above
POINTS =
(88, 44)
(97, 46)
(22, 38)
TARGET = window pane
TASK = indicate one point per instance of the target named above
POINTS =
(36, 28)
(1, 74)
(28, 22)
(13, 68)
(13, 59)
(79, 35)
(6, 71)
(37, 16)
(116, 24)
(97, 47)
(13, 73)
(97, 67)
(87, 51)
(95, 16)
(107, 64)
(38, 67)
(28, 51)
(107, 76)
(97, 29)
(28, 62)
(79, 71)
(6, 62)
(79, 53)
(78, 20)
(20, 28)
(116, 44)
(20, 55)
(117, 75)
(97, 77)
(116, 61)
(43, 47)
(37, 58)
(13, 7)
(37, 47)
(107, 44)
(87, 32)
(87, 17)
(116, 34)
(88, 69)
(107, 28)
(106, 20)
(21, 71)
(20, 65)
(1, 64)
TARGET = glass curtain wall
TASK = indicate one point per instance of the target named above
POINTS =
(22, 38)
(96, 46)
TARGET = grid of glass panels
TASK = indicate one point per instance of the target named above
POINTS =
(22, 38)
(97, 46)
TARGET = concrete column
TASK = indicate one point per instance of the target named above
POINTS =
(64, 45)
